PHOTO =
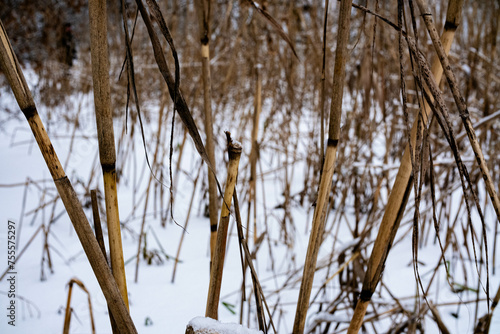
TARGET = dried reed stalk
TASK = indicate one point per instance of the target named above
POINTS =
(483, 325)
(323, 85)
(203, 10)
(10, 67)
(67, 315)
(437, 317)
(318, 223)
(104, 119)
(100, 240)
(97, 221)
(460, 102)
(234, 151)
(254, 154)
(172, 82)
(402, 187)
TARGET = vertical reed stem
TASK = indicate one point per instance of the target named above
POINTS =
(203, 10)
(323, 85)
(318, 223)
(255, 153)
(234, 151)
(401, 189)
(10, 67)
(104, 119)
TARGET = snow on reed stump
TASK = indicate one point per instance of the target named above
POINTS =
(201, 325)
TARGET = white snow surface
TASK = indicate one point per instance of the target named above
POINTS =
(210, 325)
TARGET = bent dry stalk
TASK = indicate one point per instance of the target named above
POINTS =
(234, 151)
(318, 223)
(67, 315)
(175, 93)
(106, 138)
(401, 189)
(10, 66)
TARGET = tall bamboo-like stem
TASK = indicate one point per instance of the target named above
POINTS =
(323, 85)
(253, 171)
(325, 185)
(104, 119)
(487, 102)
(10, 67)
(460, 102)
(234, 151)
(402, 187)
(254, 152)
(203, 10)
